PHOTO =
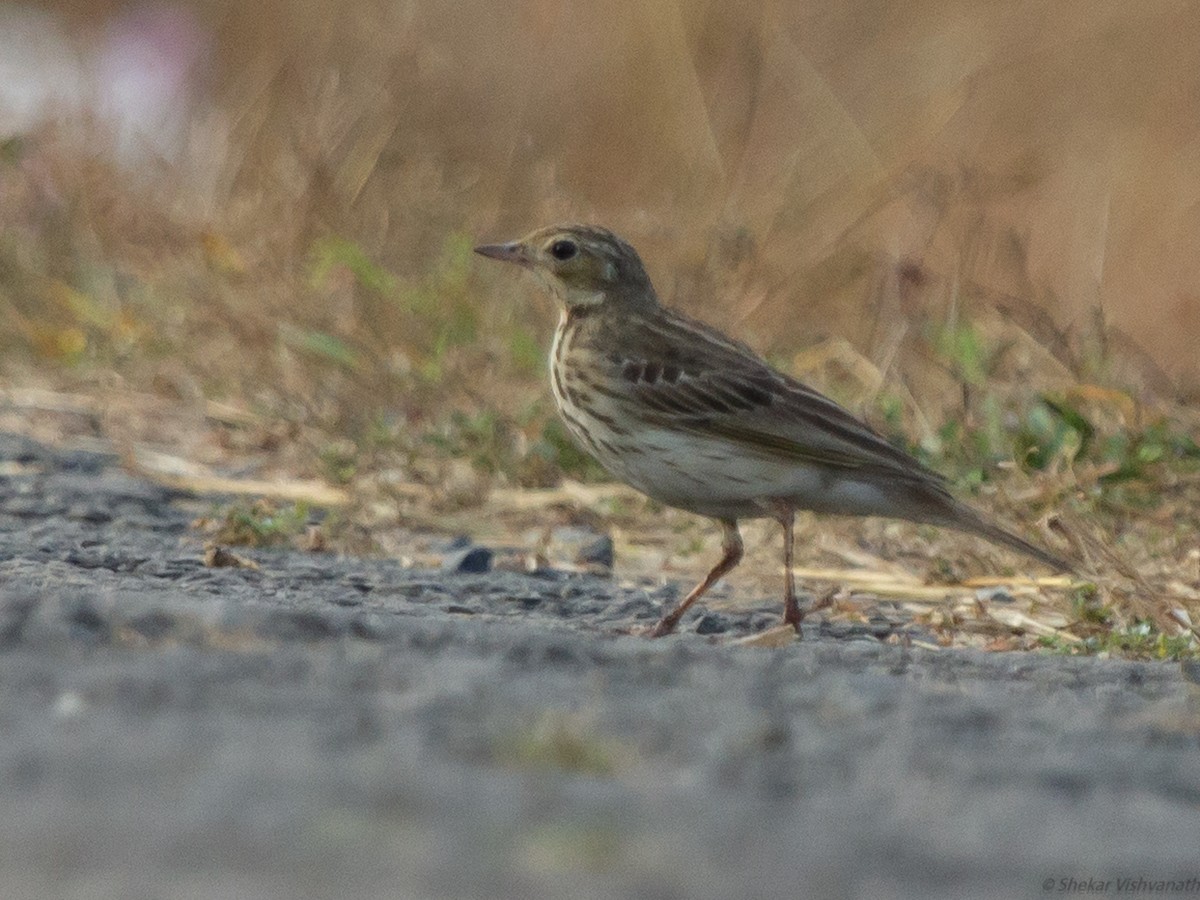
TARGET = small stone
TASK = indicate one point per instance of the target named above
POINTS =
(470, 561)
(577, 545)
(598, 552)
(93, 515)
(994, 595)
(879, 627)
(711, 623)
(217, 557)
(359, 582)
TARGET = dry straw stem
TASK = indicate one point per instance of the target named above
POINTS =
(174, 472)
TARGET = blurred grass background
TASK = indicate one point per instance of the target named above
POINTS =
(972, 222)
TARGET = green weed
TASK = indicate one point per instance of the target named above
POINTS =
(1141, 641)
(260, 524)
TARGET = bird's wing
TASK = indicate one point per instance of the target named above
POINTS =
(689, 377)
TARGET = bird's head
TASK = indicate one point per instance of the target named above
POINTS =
(582, 265)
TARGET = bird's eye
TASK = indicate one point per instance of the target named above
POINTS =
(563, 250)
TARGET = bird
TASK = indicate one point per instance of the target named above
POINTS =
(698, 421)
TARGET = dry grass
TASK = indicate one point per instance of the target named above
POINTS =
(942, 216)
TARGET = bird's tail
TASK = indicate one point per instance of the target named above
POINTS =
(964, 518)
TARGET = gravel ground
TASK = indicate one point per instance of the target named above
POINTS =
(323, 727)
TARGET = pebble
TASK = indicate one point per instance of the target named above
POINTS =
(598, 552)
(470, 561)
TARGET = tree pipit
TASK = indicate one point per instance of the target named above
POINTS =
(698, 421)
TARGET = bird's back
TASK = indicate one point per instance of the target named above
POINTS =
(699, 421)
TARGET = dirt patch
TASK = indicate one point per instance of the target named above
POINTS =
(321, 726)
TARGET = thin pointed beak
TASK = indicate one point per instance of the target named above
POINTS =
(514, 252)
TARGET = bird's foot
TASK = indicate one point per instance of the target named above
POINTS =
(792, 614)
(661, 628)
(794, 621)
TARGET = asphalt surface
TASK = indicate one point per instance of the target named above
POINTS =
(332, 727)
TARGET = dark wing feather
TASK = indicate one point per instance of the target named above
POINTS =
(686, 375)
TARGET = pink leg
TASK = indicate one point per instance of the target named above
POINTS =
(732, 545)
(791, 609)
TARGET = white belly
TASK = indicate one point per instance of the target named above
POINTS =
(709, 476)
(713, 477)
